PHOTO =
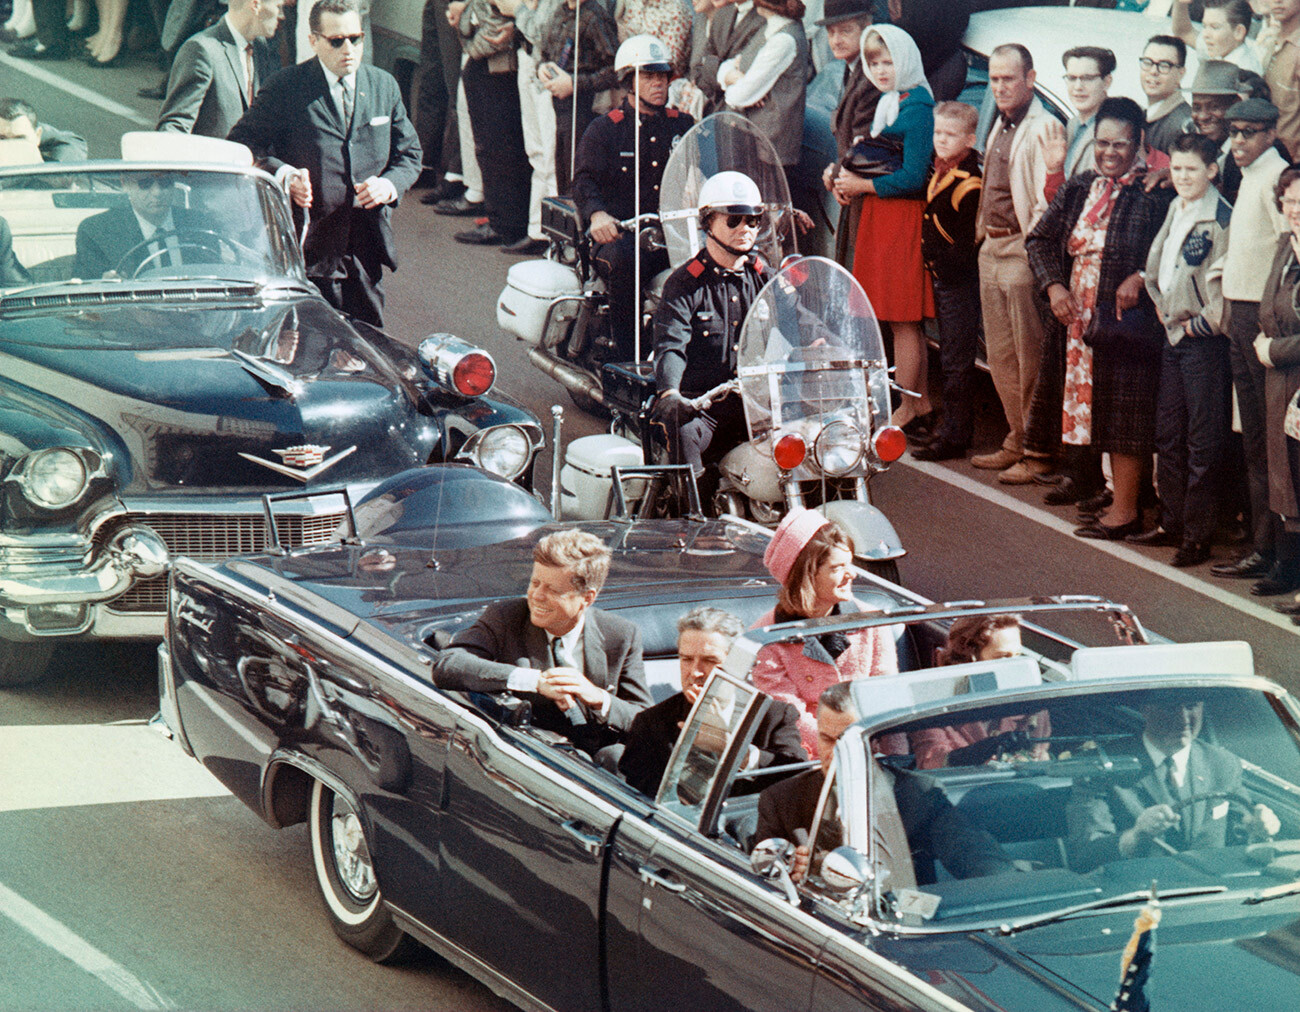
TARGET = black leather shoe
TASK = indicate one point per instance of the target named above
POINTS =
(460, 208)
(1276, 583)
(921, 426)
(34, 49)
(1097, 503)
(1068, 491)
(525, 247)
(482, 235)
(1157, 537)
(1190, 553)
(940, 449)
(446, 190)
(1288, 607)
(1248, 566)
(1097, 531)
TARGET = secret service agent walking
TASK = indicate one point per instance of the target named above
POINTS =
(335, 134)
(697, 326)
(604, 184)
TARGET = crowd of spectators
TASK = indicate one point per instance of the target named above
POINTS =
(1119, 266)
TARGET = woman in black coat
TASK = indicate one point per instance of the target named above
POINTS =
(1110, 382)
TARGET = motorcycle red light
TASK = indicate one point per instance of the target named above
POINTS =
(889, 443)
(474, 375)
(789, 451)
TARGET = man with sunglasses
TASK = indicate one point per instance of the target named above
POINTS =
(153, 224)
(697, 326)
(1162, 64)
(335, 134)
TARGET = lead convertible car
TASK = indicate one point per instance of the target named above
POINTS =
(301, 679)
(152, 390)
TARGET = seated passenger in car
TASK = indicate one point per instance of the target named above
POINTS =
(1181, 800)
(704, 637)
(581, 667)
(151, 228)
(913, 825)
(981, 638)
(812, 558)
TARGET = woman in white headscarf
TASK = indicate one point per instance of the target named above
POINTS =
(889, 168)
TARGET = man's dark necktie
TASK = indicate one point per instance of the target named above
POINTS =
(347, 105)
(561, 658)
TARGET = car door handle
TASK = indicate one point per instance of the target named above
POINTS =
(589, 842)
(659, 877)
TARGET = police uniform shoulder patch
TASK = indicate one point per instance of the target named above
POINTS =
(757, 264)
(694, 268)
(616, 115)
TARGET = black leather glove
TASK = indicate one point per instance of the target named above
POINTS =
(672, 409)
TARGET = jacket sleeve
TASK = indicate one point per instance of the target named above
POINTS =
(783, 745)
(187, 85)
(263, 122)
(1043, 244)
(771, 676)
(672, 336)
(470, 663)
(594, 147)
(917, 124)
(404, 153)
(1210, 320)
(630, 695)
(1037, 168)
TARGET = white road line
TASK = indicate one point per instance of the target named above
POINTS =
(77, 91)
(1118, 551)
(61, 765)
(70, 945)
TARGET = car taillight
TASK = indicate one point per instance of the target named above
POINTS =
(889, 443)
(474, 375)
(789, 451)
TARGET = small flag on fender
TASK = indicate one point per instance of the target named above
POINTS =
(1136, 962)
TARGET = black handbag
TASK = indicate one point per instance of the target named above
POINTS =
(871, 157)
(1137, 330)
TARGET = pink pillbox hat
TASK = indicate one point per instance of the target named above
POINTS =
(791, 537)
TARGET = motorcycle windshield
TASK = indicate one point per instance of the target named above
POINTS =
(718, 143)
(812, 367)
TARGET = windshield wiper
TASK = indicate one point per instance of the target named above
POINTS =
(1124, 899)
(1273, 892)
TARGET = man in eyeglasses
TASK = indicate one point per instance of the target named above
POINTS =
(1163, 62)
(1255, 226)
(335, 134)
(697, 326)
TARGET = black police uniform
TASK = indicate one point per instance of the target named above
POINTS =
(696, 340)
(604, 182)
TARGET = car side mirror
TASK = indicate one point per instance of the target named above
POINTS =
(771, 859)
(846, 871)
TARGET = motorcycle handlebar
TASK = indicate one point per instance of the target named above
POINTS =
(707, 399)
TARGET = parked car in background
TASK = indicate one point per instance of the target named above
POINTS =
(152, 392)
(301, 679)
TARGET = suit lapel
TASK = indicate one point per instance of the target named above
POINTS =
(326, 99)
(234, 58)
(593, 652)
(536, 645)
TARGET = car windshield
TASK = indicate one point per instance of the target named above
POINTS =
(1016, 813)
(140, 225)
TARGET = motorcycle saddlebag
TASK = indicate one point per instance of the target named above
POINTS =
(531, 288)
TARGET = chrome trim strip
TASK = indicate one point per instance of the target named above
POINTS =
(167, 706)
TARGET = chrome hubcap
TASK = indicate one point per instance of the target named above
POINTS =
(351, 855)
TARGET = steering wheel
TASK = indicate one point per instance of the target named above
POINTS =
(190, 238)
(1233, 800)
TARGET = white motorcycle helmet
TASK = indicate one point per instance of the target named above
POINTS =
(642, 52)
(728, 193)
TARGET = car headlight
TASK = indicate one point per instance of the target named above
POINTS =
(503, 450)
(838, 448)
(53, 479)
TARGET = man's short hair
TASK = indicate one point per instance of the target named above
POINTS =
(1125, 110)
(967, 115)
(335, 7)
(1252, 85)
(15, 108)
(1104, 58)
(1205, 148)
(1173, 42)
(1237, 12)
(707, 619)
(838, 697)
(584, 555)
(1017, 50)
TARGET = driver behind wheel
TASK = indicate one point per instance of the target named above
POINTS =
(148, 228)
(1180, 802)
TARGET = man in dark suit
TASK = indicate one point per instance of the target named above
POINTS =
(152, 217)
(1157, 813)
(581, 667)
(704, 637)
(18, 122)
(218, 71)
(914, 825)
(335, 134)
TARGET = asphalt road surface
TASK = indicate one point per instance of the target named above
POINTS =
(130, 879)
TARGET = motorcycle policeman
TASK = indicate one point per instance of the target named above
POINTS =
(604, 186)
(697, 326)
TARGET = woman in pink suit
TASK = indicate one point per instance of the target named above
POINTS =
(812, 558)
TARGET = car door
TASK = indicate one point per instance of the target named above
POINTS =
(709, 933)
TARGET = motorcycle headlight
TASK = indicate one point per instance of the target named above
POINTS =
(53, 479)
(503, 450)
(838, 448)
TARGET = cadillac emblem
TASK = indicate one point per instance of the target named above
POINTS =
(303, 462)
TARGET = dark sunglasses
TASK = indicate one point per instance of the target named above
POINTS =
(337, 40)
(736, 220)
(1246, 132)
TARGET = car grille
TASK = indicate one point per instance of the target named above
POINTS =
(209, 537)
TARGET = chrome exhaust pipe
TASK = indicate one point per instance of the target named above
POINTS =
(562, 372)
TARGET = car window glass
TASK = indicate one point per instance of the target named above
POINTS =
(708, 738)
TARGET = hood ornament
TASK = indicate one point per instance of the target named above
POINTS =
(303, 462)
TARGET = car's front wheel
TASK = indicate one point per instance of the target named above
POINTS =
(345, 876)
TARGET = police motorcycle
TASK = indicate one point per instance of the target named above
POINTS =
(558, 305)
